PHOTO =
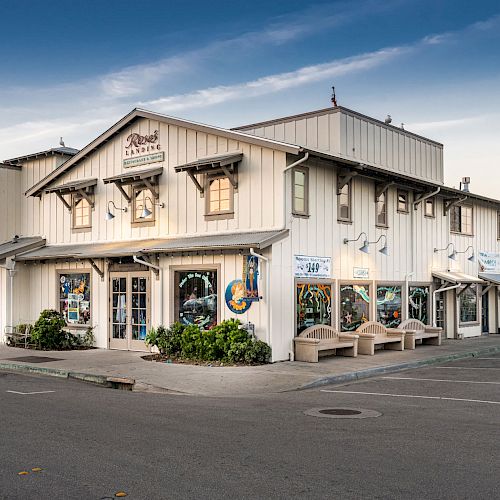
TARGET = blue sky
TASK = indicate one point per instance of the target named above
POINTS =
(73, 68)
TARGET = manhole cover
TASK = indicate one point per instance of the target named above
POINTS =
(342, 413)
(34, 359)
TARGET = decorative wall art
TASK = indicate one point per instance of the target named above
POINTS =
(236, 300)
(354, 306)
(389, 305)
(74, 297)
(251, 277)
(418, 302)
(314, 305)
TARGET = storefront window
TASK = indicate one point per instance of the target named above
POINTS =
(418, 303)
(196, 298)
(314, 305)
(354, 306)
(468, 305)
(389, 305)
(74, 298)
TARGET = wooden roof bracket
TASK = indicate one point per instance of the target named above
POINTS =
(61, 197)
(96, 268)
(196, 183)
(463, 289)
(152, 188)
(123, 192)
(381, 188)
(343, 178)
(452, 202)
(230, 176)
(85, 195)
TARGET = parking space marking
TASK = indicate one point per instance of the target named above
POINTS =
(441, 380)
(492, 359)
(411, 396)
(29, 393)
(464, 368)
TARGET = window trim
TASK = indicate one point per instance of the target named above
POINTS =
(137, 221)
(478, 312)
(433, 200)
(344, 220)
(220, 214)
(406, 193)
(467, 205)
(385, 225)
(305, 212)
(75, 197)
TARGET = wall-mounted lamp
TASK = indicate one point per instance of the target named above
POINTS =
(452, 255)
(384, 250)
(109, 215)
(145, 211)
(365, 247)
(472, 257)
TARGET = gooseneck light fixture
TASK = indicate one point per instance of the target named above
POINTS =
(109, 215)
(452, 255)
(145, 211)
(365, 247)
(384, 250)
(472, 257)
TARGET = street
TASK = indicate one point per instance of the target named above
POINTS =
(437, 437)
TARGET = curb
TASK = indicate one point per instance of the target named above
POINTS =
(380, 370)
(101, 380)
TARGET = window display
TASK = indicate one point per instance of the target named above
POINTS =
(314, 305)
(354, 306)
(196, 301)
(418, 303)
(74, 298)
(468, 304)
(389, 305)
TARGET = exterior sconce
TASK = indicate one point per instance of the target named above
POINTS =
(145, 212)
(365, 247)
(453, 254)
(384, 250)
(472, 257)
(109, 215)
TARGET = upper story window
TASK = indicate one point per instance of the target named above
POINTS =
(381, 209)
(461, 219)
(143, 208)
(82, 212)
(344, 198)
(430, 207)
(300, 191)
(219, 197)
(403, 201)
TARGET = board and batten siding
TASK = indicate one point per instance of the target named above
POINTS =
(10, 202)
(257, 202)
(356, 137)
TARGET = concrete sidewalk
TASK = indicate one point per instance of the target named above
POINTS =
(96, 365)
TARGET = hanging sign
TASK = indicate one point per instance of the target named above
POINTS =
(144, 160)
(489, 262)
(360, 272)
(306, 266)
(250, 276)
(235, 297)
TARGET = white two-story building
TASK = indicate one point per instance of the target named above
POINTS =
(326, 217)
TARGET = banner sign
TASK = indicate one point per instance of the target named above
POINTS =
(489, 262)
(250, 277)
(143, 160)
(235, 297)
(360, 272)
(312, 267)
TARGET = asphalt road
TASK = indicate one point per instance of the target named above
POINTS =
(92, 443)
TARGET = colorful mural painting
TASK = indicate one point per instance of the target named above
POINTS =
(314, 305)
(389, 305)
(74, 297)
(354, 306)
(418, 302)
(235, 297)
(251, 276)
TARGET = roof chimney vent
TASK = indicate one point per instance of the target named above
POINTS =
(464, 185)
(388, 119)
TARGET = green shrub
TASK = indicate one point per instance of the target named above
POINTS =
(48, 331)
(167, 340)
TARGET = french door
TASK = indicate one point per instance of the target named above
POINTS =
(129, 310)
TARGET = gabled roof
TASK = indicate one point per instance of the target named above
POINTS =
(61, 151)
(136, 113)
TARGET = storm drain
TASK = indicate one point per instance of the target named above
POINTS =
(35, 359)
(342, 413)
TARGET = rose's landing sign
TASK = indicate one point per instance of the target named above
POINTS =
(312, 267)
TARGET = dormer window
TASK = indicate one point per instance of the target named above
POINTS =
(82, 212)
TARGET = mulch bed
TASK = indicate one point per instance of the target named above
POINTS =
(162, 358)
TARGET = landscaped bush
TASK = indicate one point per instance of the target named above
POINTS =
(225, 342)
(48, 332)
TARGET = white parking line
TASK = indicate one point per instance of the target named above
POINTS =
(493, 359)
(412, 396)
(441, 380)
(29, 393)
(463, 368)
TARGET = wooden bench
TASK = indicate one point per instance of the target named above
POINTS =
(373, 334)
(416, 330)
(318, 338)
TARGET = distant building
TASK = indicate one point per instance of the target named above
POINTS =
(325, 217)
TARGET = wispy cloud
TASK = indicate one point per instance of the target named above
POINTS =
(444, 124)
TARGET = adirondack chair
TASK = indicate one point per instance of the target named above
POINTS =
(416, 330)
(318, 338)
(372, 333)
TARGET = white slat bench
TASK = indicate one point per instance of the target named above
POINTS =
(372, 333)
(319, 338)
(416, 330)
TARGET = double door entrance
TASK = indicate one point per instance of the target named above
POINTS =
(129, 310)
